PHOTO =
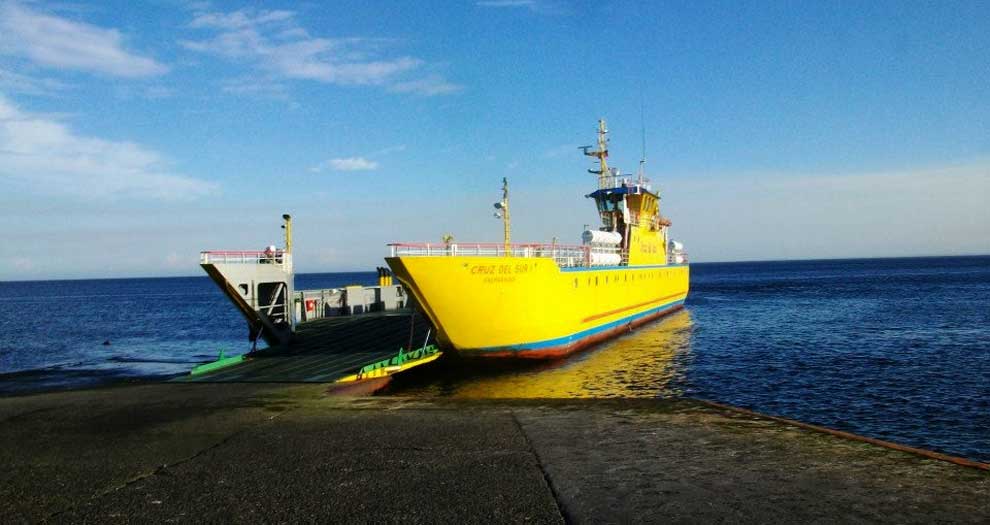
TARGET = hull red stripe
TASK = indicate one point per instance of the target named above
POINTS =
(627, 308)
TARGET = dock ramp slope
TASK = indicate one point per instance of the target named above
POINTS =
(324, 350)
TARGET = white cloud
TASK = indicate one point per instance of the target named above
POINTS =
(347, 164)
(148, 92)
(391, 149)
(13, 82)
(56, 42)
(159, 92)
(429, 86)
(45, 155)
(260, 87)
(273, 42)
(357, 163)
(22, 264)
(536, 6)
(353, 164)
(244, 18)
(508, 3)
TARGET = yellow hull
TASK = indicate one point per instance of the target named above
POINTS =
(530, 307)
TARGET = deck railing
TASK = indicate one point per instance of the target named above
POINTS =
(565, 256)
(678, 257)
(246, 257)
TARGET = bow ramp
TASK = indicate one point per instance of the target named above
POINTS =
(350, 333)
(332, 349)
(260, 285)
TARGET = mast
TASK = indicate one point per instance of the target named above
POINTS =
(506, 228)
(288, 232)
(601, 154)
(502, 212)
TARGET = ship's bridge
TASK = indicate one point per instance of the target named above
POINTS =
(633, 210)
(631, 201)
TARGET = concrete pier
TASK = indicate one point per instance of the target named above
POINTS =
(276, 453)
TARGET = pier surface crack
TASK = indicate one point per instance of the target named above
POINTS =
(561, 509)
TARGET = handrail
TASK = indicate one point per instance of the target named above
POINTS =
(236, 252)
(677, 257)
(564, 255)
(245, 257)
(439, 245)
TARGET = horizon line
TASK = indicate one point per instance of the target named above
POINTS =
(743, 261)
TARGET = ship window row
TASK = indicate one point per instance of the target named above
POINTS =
(595, 281)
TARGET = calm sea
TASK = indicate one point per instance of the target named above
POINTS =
(897, 349)
(52, 332)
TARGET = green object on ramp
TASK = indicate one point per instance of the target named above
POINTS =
(221, 362)
(322, 350)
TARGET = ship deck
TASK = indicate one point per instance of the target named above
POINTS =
(324, 350)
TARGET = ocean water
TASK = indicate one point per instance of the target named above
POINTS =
(897, 349)
(52, 332)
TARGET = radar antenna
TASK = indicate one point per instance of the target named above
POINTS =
(642, 127)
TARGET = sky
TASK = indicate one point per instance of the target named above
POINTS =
(133, 135)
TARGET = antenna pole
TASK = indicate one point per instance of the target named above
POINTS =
(288, 232)
(602, 154)
(642, 126)
(507, 230)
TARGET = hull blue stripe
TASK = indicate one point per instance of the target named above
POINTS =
(549, 343)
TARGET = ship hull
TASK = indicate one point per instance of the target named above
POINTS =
(505, 307)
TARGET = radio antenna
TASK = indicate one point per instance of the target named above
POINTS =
(642, 126)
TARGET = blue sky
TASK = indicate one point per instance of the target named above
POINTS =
(134, 135)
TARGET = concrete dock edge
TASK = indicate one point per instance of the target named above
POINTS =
(288, 453)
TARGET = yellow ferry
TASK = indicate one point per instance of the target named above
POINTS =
(537, 300)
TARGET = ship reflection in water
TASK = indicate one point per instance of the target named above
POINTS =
(647, 362)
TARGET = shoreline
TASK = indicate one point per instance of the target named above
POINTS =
(377, 393)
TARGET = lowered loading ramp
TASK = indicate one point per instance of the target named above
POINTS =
(324, 350)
